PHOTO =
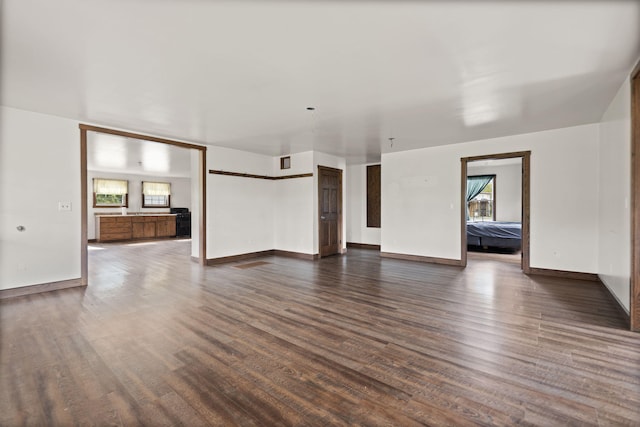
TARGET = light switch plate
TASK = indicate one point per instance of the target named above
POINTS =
(64, 206)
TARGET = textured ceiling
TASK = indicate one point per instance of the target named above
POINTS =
(241, 73)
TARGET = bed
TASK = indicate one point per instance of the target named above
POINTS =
(494, 234)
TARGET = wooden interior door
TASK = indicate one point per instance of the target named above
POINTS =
(330, 210)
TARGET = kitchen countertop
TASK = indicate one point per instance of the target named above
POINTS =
(134, 214)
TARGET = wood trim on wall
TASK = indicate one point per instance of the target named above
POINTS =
(202, 221)
(498, 156)
(297, 255)
(526, 198)
(575, 275)
(141, 136)
(634, 291)
(44, 287)
(363, 246)
(84, 210)
(239, 257)
(526, 213)
(420, 258)
(249, 175)
(463, 212)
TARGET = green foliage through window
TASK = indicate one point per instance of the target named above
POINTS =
(109, 199)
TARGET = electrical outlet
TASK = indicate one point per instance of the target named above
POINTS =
(64, 206)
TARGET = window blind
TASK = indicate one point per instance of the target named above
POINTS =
(110, 186)
(156, 188)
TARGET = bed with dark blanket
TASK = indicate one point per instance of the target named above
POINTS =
(495, 234)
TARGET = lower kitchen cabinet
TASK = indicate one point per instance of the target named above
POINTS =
(130, 227)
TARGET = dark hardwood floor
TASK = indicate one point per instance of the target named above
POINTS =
(347, 340)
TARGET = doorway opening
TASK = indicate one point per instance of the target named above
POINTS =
(495, 207)
(197, 189)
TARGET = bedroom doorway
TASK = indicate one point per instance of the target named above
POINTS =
(495, 207)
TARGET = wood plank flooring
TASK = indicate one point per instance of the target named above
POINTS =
(350, 340)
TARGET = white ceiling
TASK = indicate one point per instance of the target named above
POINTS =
(241, 73)
(110, 153)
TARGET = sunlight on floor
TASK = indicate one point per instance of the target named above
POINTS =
(142, 244)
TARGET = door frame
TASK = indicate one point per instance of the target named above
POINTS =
(634, 288)
(327, 168)
(525, 194)
(84, 241)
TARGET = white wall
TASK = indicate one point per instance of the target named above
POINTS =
(614, 248)
(421, 197)
(293, 205)
(420, 209)
(240, 212)
(356, 187)
(508, 187)
(300, 163)
(39, 167)
(180, 195)
(250, 215)
(293, 220)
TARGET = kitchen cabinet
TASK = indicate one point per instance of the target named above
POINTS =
(143, 227)
(131, 227)
(166, 227)
(114, 227)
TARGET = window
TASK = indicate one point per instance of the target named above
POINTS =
(482, 206)
(110, 193)
(285, 162)
(156, 194)
(373, 196)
